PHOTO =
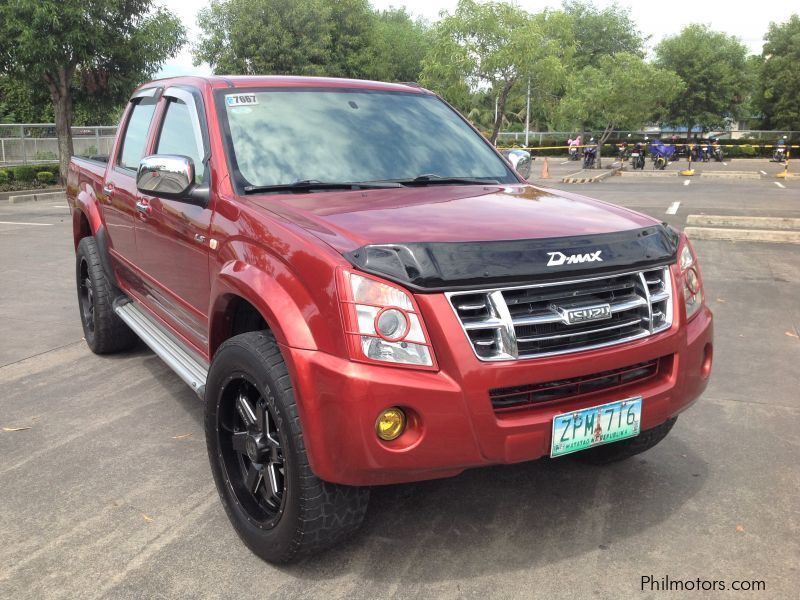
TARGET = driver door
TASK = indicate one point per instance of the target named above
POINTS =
(173, 235)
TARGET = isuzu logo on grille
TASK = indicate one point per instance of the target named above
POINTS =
(584, 314)
(559, 258)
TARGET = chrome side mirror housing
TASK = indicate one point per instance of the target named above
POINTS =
(166, 176)
(520, 160)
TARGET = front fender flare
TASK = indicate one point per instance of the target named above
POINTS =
(278, 296)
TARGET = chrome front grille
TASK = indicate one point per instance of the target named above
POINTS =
(565, 316)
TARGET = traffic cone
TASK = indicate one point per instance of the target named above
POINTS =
(545, 170)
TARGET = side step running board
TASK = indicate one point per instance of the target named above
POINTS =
(187, 366)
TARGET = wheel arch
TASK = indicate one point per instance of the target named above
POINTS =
(245, 298)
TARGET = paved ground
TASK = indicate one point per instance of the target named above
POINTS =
(109, 494)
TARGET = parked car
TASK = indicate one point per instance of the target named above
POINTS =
(363, 291)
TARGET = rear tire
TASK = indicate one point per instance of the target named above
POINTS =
(279, 508)
(617, 451)
(103, 330)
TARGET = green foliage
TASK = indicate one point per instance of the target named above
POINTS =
(399, 46)
(622, 92)
(713, 66)
(492, 45)
(24, 173)
(4, 178)
(102, 48)
(600, 33)
(45, 177)
(303, 37)
(779, 98)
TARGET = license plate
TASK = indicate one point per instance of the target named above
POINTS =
(634, 154)
(595, 426)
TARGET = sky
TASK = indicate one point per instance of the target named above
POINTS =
(748, 20)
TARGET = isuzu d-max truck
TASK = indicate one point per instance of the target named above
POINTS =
(363, 291)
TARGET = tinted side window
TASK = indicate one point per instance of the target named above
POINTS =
(179, 136)
(133, 144)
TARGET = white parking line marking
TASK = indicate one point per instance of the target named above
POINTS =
(724, 164)
(763, 172)
(687, 182)
(779, 184)
(566, 162)
(20, 223)
(673, 208)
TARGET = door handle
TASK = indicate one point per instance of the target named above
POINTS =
(143, 206)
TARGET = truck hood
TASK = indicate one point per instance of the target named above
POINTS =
(456, 237)
(349, 220)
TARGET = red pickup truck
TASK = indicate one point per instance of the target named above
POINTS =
(364, 291)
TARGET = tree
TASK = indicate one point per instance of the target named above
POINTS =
(600, 33)
(107, 45)
(622, 92)
(492, 45)
(713, 66)
(302, 37)
(400, 44)
(779, 81)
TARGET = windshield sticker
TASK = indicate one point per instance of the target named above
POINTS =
(240, 99)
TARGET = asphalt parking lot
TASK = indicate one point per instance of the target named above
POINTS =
(105, 489)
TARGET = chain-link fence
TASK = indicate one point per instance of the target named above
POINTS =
(37, 143)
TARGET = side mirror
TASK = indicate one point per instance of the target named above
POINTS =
(170, 176)
(520, 160)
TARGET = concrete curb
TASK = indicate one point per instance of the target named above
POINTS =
(738, 222)
(730, 174)
(582, 176)
(37, 197)
(650, 173)
(743, 235)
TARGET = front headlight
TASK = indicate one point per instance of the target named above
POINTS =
(690, 276)
(382, 322)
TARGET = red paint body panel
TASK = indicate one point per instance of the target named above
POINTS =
(280, 253)
(348, 220)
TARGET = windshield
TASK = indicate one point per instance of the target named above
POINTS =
(284, 135)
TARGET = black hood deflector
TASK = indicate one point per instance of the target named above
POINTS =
(449, 266)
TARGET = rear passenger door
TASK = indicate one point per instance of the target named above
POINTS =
(173, 235)
(119, 195)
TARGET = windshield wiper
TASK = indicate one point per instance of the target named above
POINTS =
(307, 185)
(433, 179)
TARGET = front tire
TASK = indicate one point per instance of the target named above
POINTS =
(103, 330)
(622, 450)
(279, 508)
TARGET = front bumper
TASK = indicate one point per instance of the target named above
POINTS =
(452, 425)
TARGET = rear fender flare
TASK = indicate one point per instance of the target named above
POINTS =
(86, 205)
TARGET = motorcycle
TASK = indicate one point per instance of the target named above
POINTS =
(637, 157)
(716, 152)
(589, 155)
(662, 154)
(702, 152)
(779, 155)
(622, 152)
(573, 153)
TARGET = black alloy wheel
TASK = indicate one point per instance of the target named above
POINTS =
(252, 453)
(86, 296)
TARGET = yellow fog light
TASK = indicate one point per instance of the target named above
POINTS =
(390, 424)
